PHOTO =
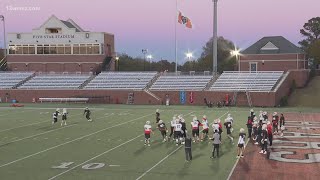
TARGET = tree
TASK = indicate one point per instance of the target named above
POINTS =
(311, 43)
(225, 61)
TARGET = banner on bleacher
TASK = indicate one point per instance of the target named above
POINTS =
(191, 97)
(182, 97)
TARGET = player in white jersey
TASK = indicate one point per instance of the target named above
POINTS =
(195, 129)
(147, 132)
(64, 117)
(230, 119)
(177, 132)
(205, 128)
(172, 123)
(215, 125)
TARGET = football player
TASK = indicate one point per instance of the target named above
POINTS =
(275, 123)
(228, 125)
(172, 123)
(147, 132)
(183, 129)
(64, 117)
(195, 129)
(264, 139)
(157, 116)
(163, 130)
(55, 115)
(87, 112)
(205, 128)
(177, 132)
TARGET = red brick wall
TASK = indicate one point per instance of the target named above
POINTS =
(280, 62)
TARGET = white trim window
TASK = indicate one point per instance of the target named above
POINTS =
(253, 66)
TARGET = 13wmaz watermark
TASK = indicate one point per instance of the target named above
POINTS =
(22, 8)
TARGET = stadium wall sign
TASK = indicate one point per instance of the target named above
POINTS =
(182, 97)
(57, 36)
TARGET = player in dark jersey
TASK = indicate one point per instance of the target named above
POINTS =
(157, 116)
(87, 112)
(55, 116)
(163, 130)
(228, 126)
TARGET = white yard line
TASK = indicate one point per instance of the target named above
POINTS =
(166, 156)
(38, 123)
(235, 164)
(39, 134)
(95, 157)
(68, 142)
(158, 163)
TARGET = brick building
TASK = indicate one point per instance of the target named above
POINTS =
(273, 53)
(59, 46)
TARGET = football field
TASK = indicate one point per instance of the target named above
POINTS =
(109, 147)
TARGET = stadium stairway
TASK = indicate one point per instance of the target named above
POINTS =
(280, 81)
(210, 83)
(152, 95)
(87, 81)
(24, 81)
(152, 81)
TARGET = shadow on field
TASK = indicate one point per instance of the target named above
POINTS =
(139, 151)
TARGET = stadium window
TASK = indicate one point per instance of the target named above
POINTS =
(87, 35)
(53, 49)
(89, 48)
(46, 49)
(25, 49)
(19, 49)
(96, 49)
(67, 49)
(60, 49)
(12, 49)
(76, 49)
(18, 36)
(53, 30)
(32, 49)
(83, 49)
(39, 49)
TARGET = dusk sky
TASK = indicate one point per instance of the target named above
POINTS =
(149, 24)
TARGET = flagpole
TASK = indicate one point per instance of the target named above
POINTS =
(175, 32)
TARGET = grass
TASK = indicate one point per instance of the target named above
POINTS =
(30, 146)
(308, 96)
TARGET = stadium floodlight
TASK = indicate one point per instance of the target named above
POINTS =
(189, 55)
(237, 54)
(149, 57)
(117, 61)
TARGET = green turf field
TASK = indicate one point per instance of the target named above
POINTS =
(110, 147)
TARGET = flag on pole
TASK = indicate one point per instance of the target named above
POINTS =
(184, 20)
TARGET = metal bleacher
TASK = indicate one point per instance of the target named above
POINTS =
(55, 81)
(181, 82)
(121, 80)
(9, 79)
(261, 81)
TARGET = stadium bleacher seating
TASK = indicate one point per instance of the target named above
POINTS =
(246, 81)
(9, 79)
(121, 80)
(55, 81)
(181, 82)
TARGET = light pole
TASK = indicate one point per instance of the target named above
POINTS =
(117, 60)
(149, 57)
(236, 53)
(144, 52)
(4, 35)
(215, 37)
